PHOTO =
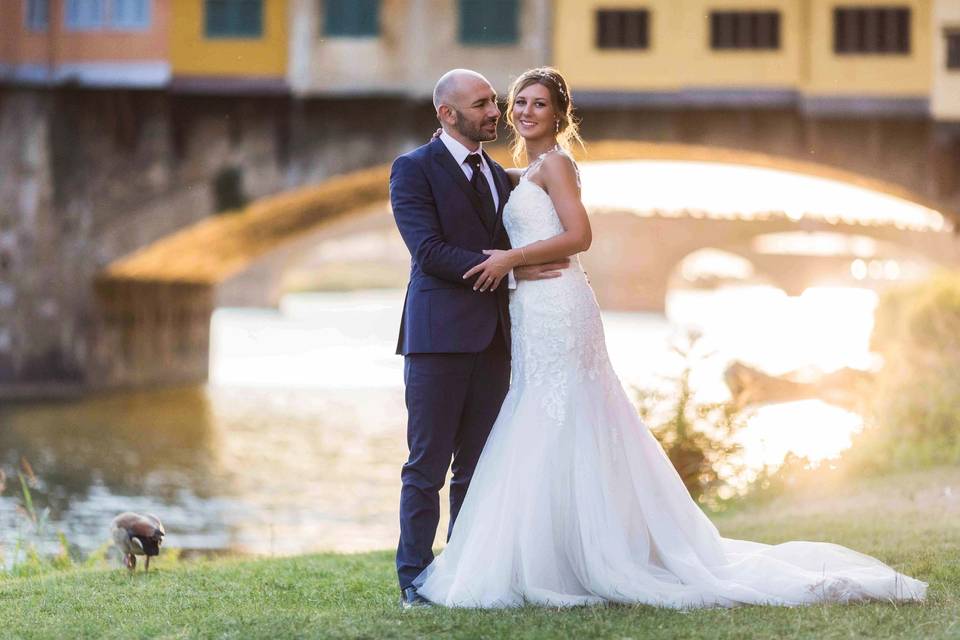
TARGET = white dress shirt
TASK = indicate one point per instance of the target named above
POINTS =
(460, 153)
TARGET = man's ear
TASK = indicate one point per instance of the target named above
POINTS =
(445, 115)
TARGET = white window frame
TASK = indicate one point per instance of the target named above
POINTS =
(33, 10)
(92, 22)
(131, 25)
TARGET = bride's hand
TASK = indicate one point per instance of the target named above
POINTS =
(493, 269)
(436, 134)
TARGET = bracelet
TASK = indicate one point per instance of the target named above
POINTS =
(523, 257)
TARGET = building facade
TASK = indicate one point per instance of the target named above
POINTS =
(229, 46)
(401, 47)
(826, 57)
(98, 43)
(829, 57)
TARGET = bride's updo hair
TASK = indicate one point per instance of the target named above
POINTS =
(569, 130)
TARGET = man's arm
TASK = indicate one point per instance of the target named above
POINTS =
(541, 271)
(416, 214)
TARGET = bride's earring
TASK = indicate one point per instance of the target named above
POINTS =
(558, 126)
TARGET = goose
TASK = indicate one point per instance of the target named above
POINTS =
(137, 535)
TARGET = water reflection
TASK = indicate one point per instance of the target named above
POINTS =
(154, 448)
(242, 469)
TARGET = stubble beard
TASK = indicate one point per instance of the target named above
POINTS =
(473, 132)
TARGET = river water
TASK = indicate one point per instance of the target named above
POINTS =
(296, 443)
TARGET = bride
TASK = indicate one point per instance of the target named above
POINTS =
(573, 501)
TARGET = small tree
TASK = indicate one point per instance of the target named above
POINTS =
(696, 436)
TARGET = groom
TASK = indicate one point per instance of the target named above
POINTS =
(447, 198)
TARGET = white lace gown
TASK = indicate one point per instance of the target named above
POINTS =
(574, 502)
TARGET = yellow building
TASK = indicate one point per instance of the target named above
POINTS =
(827, 56)
(225, 45)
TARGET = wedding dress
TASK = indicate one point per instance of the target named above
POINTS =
(574, 501)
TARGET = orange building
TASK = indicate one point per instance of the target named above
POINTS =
(106, 43)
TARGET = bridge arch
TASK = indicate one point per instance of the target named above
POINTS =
(214, 249)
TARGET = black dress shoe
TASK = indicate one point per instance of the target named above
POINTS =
(410, 599)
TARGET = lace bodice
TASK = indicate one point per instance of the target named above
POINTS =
(529, 214)
(557, 334)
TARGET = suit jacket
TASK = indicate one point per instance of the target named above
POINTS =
(440, 218)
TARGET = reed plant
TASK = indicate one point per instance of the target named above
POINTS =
(697, 436)
(34, 534)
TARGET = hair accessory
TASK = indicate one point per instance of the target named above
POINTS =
(548, 75)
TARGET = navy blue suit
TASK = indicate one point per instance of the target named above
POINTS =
(455, 341)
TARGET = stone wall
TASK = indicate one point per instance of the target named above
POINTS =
(89, 176)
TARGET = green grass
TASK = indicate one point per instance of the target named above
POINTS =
(908, 520)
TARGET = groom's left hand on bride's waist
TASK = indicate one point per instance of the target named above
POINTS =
(541, 271)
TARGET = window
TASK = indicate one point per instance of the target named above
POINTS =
(953, 49)
(130, 14)
(871, 30)
(82, 15)
(623, 29)
(37, 14)
(489, 21)
(233, 18)
(744, 30)
(351, 18)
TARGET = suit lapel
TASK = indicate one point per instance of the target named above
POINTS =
(443, 157)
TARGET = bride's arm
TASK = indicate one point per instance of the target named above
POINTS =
(559, 178)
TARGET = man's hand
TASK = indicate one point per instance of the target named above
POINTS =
(494, 268)
(541, 271)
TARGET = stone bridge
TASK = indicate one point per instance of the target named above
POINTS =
(111, 255)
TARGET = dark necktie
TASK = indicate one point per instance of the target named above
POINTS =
(482, 187)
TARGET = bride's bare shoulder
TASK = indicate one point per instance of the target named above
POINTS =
(514, 175)
(560, 166)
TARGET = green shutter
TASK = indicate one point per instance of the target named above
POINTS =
(351, 18)
(233, 18)
(489, 21)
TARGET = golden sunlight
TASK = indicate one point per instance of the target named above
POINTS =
(744, 192)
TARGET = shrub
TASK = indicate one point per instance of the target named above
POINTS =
(696, 436)
(913, 415)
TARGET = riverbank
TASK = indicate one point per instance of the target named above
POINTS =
(910, 520)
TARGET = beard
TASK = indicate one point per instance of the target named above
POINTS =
(474, 131)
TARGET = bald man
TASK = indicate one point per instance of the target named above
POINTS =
(447, 199)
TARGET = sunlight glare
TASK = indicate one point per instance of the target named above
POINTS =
(810, 428)
(651, 187)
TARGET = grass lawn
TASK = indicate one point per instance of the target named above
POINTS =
(911, 521)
